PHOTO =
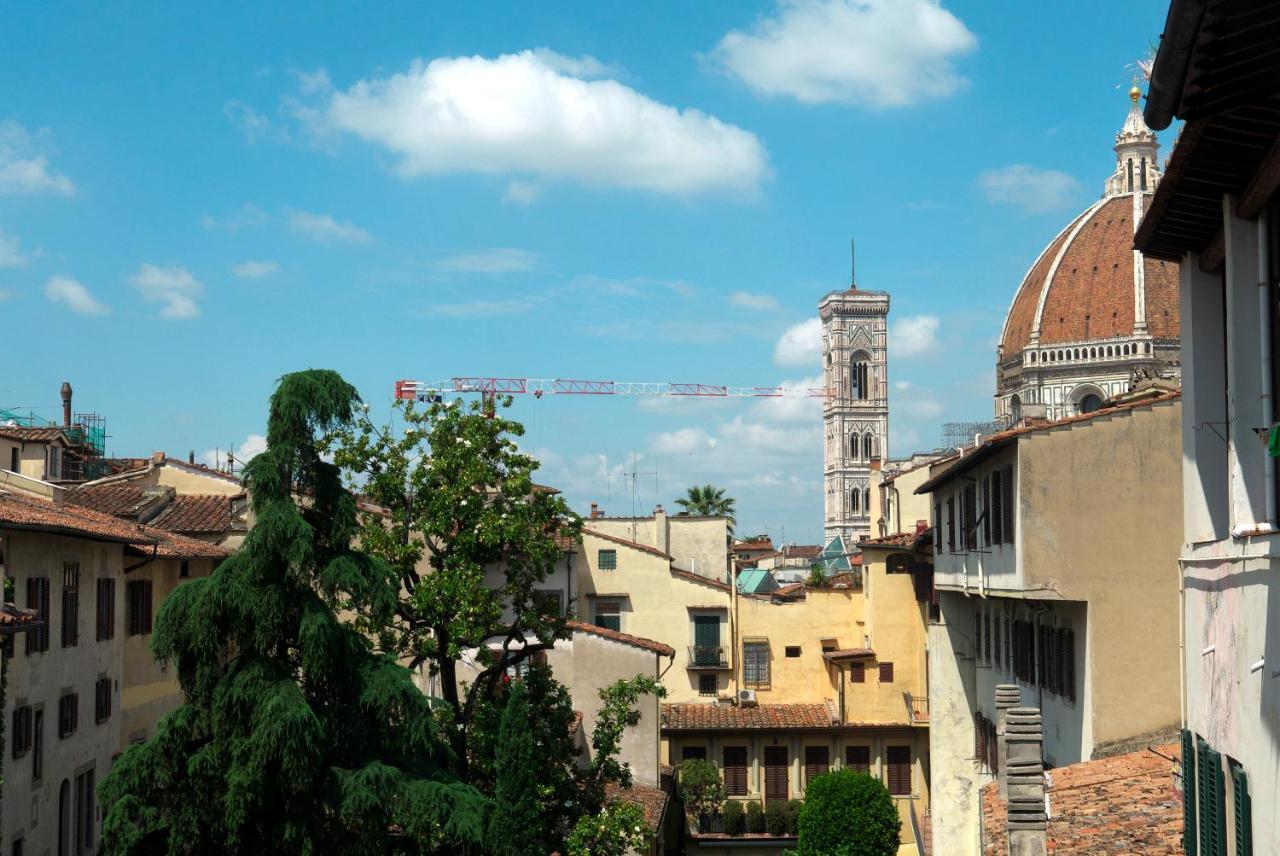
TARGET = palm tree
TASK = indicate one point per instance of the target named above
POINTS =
(707, 501)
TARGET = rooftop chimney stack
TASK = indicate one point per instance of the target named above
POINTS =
(66, 404)
(1027, 821)
(1008, 696)
(191, 456)
(660, 532)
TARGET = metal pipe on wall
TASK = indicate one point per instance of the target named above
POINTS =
(1265, 334)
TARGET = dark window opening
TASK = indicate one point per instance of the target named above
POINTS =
(793, 651)
(138, 593)
(708, 685)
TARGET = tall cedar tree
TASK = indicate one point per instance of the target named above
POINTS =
(464, 500)
(295, 736)
(514, 826)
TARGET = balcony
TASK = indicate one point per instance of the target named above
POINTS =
(917, 709)
(708, 657)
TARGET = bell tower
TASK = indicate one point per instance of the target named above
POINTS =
(855, 414)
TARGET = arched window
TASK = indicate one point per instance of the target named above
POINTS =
(867, 450)
(853, 445)
(1033, 356)
(1109, 351)
(855, 497)
(1130, 163)
(1142, 176)
(1061, 356)
(1090, 403)
(1015, 408)
(859, 376)
(866, 499)
(1148, 347)
(1077, 353)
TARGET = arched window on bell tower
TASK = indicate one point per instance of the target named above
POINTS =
(854, 496)
(853, 445)
(1130, 165)
(867, 450)
(1142, 176)
(866, 499)
(859, 388)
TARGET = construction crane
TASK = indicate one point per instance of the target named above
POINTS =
(491, 387)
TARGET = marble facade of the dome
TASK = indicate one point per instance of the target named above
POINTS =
(1092, 317)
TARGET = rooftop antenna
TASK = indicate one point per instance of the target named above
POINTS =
(853, 263)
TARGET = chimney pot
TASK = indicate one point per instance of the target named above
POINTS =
(66, 404)
(191, 456)
(157, 456)
(921, 525)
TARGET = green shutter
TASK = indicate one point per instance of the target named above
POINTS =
(706, 631)
(1188, 794)
(1243, 818)
(1213, 822)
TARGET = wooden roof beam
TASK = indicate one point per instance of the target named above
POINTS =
(1263, 184)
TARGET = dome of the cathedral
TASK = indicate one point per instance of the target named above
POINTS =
(1092, 316)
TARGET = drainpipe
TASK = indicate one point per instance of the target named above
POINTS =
(1182, 644)
(1265, 332)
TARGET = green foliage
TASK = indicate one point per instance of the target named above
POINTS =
(775, 818)
(515, 826)
(735, 822)
(707, 501)
(618, 713)
(816, 578)
(848, 814)
(616, 830)
(793, 816)
(700, 787)
(296, 735)
(755, 817)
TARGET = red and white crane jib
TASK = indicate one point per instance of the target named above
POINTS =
(413, 390)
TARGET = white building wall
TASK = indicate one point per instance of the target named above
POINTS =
(954, 777)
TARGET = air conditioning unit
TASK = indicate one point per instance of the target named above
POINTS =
(746, 698)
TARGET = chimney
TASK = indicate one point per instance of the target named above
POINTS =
(157, 457)
(875, 464)
(1008, 696)
(921, 525)
(595, 511)
(66, 404)
(1027, 820)
(660, 529)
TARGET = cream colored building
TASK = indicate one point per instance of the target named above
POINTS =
(1054, 544)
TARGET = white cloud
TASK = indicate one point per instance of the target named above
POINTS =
(913, 335)
(10, 251)
(249, 216)
(631, 286)
(538, 113)
(255, 268)
(881, 53)
(478, 308)
(25, 169)
(253, 445)
(323, 229)
(69, 292)
(521, 193)
(758, 302)
(174, 287)
(684, 441)
(1035, 191)
(921, 408)
(253, 124)
(800, 345)
(497, 260)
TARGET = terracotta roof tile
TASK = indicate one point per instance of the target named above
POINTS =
(32, 434)
(699, 578)
(626, 638)
(652, 800)
(1124, 804)
(1022, 314)
(121, 500)
(803, 551)
(849, 654)
(197, 513)
(727, 717)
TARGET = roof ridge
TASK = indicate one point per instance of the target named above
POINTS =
(618, 636)
(620, 540)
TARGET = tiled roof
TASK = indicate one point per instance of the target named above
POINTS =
(652, 800)
(727, 717)
(625, 638)
(15, 618)
(202, 469)
(31, 434)
(803, 551)
(644, 548)
(906, 540)
(699, 578)
(1124, 804)
(196, 513)
(175, 546)
(119, 499)
(754, 544)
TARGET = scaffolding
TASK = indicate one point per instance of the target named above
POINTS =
(86, 441)
(957, 435)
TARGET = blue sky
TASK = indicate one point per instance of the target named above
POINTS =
(194, 203)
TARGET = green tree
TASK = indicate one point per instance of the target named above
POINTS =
(700, 787)
(515, 825)
(708, 501)
(618, 713)
(847, 813)
(295, 735)
(463, 497)
(619, 828)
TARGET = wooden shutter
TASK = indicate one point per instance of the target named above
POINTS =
(1243, 811)
(997, 506)
(857, 673)
(898, 766)
(970, 516)
(775, 773)
(1213, 823)
(951, 525)
(1069, 664)
(735, 771)
(993, 748)
(817, 760)
(1189, 840)
(1006, 480)
(986, 509)
(986, 636)
(858, 758)
(886, 673)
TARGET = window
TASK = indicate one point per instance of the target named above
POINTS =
(867, 447)
(607, 560)
(38, 600)
(70, 604)
(970, 513)
(53, 462)
(735, 771)
(106, 609)
(14, 462)
(858, 758)
(857, 673)
(706, 641)
(21, 730)
(775, 773)
(1006, 480)
(898, 769)
(886, 673)
(817, 761)
(858, 385)
(986, 637)
(102, 700)
(755, 664)
(184, 570)
(84, 813)
(17, 847)
(1211, 797)
(1243, 820)
(37, 746)
(608, 615)
(995, 635)
(995, 507)
(1142, 175)
(708, 685)
(951, 525)
(693, 753)
(68, 714)
(793, 650)
(139, 596)
(855, 500)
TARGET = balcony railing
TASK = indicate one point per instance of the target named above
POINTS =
(708, 657)
(917, 708)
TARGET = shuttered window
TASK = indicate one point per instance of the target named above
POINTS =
(1006, 483)
(817, 760)
(21, 730)
(1068, 664)
(993, 748)
(138, 593)
(886, 673)
(70, 604)
(106, 609)
(858, 758)
(997, 506)
(951, 525)
(857, 673)
(1189, 839)
(102, 700)
(1243, 819)
(898, 769)
(38, 601)
(970, 516)
(986, 637)
(1213, 823)
(735, 771)
(68, 714)
(775, 773)
(986, 509)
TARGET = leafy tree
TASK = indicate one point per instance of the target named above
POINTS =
(707, 501)
(847, 813)
(700, 787)
(619, 828)
(295, 735)
(515, 826)
(618, 713)
(463, 497)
